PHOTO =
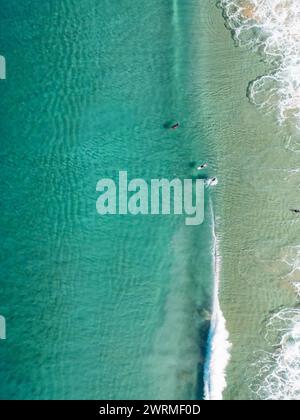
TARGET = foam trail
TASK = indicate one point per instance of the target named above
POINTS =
(218, 347)
(177, 40)
(175, 11)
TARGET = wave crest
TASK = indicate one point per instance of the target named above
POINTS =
(218, 346)
(280, 370)
(272, 28)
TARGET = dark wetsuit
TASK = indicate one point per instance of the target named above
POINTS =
(175, 126)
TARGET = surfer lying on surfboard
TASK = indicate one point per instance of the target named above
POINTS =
(211, 182)
(175, 126)
(201, 167)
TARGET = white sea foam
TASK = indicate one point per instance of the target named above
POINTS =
(271, 27)
(218, 348)
(280, 370)
(297, 288)
(291, 258)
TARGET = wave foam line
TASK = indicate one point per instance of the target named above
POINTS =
(278, 375)
(280, 370)
(218, 347)
(272, 28)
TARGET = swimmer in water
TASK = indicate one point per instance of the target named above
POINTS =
(200, 168)
(295, 211)
(212, 182)
(175, 126)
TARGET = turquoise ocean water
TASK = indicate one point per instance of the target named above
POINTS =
(113, 307)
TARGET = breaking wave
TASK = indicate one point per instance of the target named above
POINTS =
(218, 348)
(279, 370)
(272, 28)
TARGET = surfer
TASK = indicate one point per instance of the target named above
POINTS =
(175, 126)
(212, 182)
(201, 167)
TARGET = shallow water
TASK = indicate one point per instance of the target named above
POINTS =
(259, 233)
(272, 29)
